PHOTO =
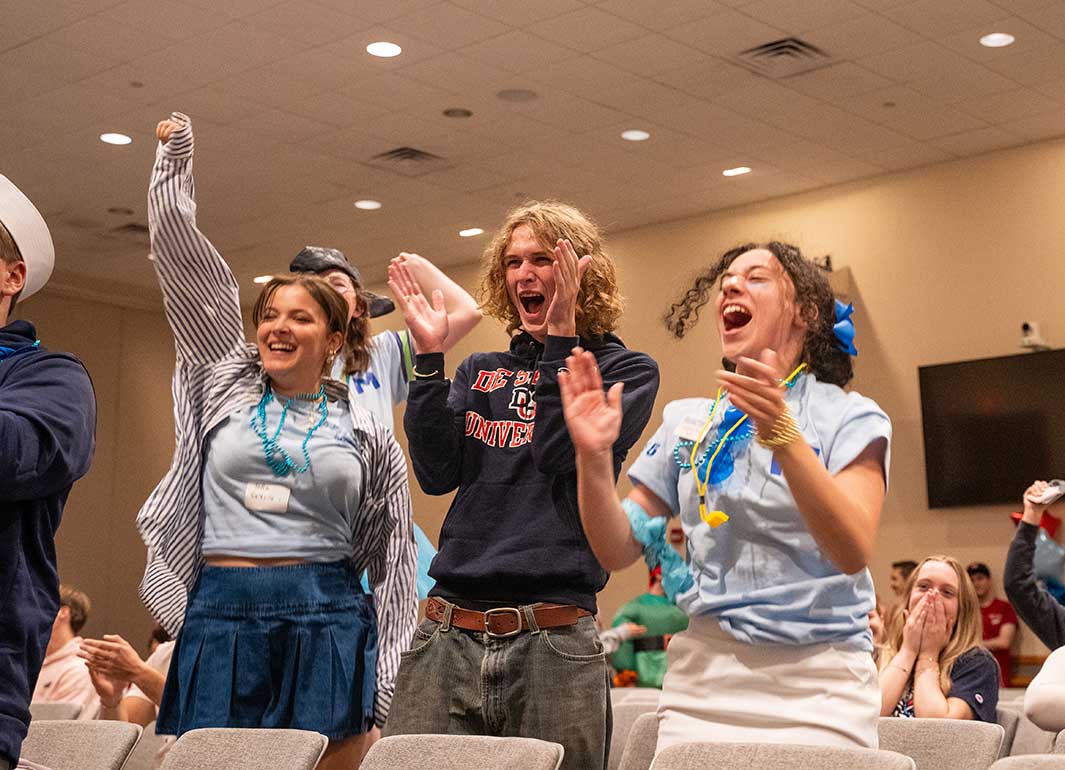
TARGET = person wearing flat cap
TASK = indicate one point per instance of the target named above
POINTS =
(47, 437)
(378, 368)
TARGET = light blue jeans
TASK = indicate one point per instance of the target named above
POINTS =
(550, 684)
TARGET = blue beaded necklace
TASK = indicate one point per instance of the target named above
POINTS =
(277, 458)
(6, 352)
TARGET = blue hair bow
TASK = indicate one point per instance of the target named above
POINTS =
(844, 328)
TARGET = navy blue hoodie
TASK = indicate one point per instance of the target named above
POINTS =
(47, 436)
(513, 534)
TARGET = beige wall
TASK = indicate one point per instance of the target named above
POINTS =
(946, 263)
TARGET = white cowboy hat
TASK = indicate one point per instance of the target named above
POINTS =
(30, 233)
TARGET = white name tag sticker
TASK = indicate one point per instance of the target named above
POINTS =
(266, 497)
(689, 428)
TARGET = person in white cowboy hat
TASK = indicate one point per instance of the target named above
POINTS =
(47, 436)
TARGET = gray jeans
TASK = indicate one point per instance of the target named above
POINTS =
(550, 684)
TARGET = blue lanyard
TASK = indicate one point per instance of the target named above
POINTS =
(6, 353)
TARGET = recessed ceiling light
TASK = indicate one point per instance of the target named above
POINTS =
(635, 135)
(457, 112)
(368, 205)
(115, 139)
(739, 170)
(383, 49)
(997, 40)
(516, 95)
(262, 278)
(469, 232)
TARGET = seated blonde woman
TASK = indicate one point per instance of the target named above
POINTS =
(932, 664)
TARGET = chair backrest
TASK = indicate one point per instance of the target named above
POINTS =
(1030, 738)
(1031, 762)
(943, 744)
(1058, 747)
(625, 714)
(45, 711)
(640, 747)
(68, 744)
(630, 694)
(1010, 719)
(237, 748)
(777, 756)
(461, 752)
(1009, 695)
(144, 754)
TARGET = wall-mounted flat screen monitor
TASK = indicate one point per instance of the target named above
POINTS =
(992, 426)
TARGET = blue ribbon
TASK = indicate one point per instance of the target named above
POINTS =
(650, 532)
(844, 328)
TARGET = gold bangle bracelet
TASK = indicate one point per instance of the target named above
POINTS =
(785, 431)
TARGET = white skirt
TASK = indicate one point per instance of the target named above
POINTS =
(718, 688)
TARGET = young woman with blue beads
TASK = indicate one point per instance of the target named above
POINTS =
(279, 495)
(778, 479)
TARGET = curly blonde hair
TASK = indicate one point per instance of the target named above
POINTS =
(599, 301)
(968, 626)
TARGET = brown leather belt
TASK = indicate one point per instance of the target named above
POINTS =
(504, 621)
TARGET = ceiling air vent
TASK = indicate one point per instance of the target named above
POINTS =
(409, 161)
(783, 58)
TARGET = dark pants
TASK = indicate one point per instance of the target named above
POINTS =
(550, 684)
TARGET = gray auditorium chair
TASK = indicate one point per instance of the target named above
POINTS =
(461, 752)
(776, 756)
(1031, 762)
(147, 749)
(235, 748)
(625, 715)
(1030, 738)
(1010, 719)
(943, 744)
(640, 746)
(631, 694)
(46, 711)
(68, 744)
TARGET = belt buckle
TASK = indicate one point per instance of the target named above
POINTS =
(502, 610)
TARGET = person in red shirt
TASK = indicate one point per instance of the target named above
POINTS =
(1000, 621)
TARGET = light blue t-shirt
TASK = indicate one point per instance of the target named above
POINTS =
(384, 383)
(302, 515)
(761, 574)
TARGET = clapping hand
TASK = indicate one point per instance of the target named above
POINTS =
(428, 324)
(593, 418)
(568, 272)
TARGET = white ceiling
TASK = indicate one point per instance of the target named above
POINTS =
(288, 108)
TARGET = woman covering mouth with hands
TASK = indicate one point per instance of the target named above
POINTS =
(778, 478)
(932, 664)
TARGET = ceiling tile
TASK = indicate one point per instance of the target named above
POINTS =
(911, 155)
(863, 36)
(978, 141)
(351, 51)
(662, 14)
(797, 18)
(583, 76)
(799, 154)
(111, 39)
(232, 9)
(1048, 16)
(448, 26)
(588, 29)
(907, 111)
(725, 34)
(1032, 68)
(650, 55)
(1047, 126)
(216, 105)
(274, 85)
(165, 19)
(380, 11)
(64, 65)
(460, 74)
(20, 84)
(24, 22)
(1011, 105)
(517, 51)
(842, 171)
(840, 81)
(519, 13)
(935, 18)
(309, 22)
(283, 126)
(393, 92)
(1030, 40)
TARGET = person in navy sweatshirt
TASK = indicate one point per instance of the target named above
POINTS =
(510, 646)
(47, 435)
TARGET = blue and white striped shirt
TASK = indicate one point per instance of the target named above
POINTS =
(218, 372)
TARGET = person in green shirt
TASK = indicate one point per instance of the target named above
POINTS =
(646, 655)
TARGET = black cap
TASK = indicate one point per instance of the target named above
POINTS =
(319, 259)
(978, 568)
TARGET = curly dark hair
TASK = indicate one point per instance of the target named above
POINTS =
(825, 359)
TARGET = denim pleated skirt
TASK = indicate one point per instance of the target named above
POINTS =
(292, 646)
